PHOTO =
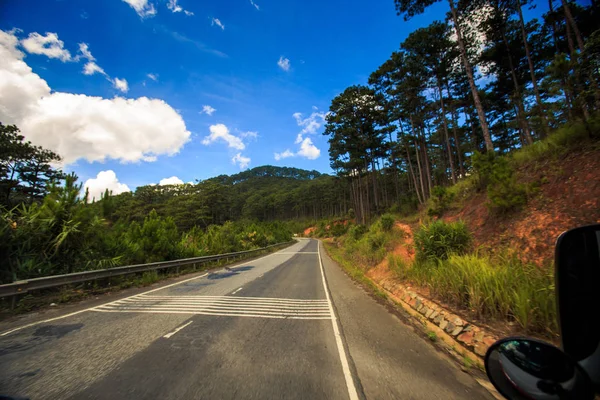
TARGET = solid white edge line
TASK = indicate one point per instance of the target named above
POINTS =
(236, 290)
(352, 394)
(168, 335)
(93, 308)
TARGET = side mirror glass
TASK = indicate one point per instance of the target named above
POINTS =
(577, 263)
(531, 369)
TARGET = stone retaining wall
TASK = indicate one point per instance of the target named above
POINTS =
(472, 337)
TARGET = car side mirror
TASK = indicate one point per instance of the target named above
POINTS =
(523, 368)
(577, 263)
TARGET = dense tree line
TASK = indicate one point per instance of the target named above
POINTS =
(483, 80)
(49, 225)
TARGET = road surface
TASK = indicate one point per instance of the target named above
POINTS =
(288, 325)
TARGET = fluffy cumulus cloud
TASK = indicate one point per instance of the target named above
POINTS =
(48, 45)
(310, 126)
(255, 5)
(78, 126)
(241, 161)
(217, 22)
(121, 84)
(105, 180)
(308, 150)
(208, 110)
(284, 63)
(170, 181)
(220, 132)
(142, 7)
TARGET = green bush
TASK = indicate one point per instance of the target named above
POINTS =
(498, 177)
(338, 229)
(387, 222)
(439, 239)
(357, 231)
(439, 202)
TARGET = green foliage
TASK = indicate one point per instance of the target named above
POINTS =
(497, 175)
(562, 140)
(439, 202)
(500, 287)
(357, 231)
(387, 222)
(26, 171)
(432, 336)
(439, 239)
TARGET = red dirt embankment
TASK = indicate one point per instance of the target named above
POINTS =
(568, 196)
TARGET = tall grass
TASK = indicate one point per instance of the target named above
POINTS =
(560, 141)
(491, 287)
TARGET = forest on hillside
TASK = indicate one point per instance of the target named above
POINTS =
(49, 225)
(483, 81)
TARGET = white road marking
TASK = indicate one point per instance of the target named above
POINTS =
(216, 314)
(168, 335)
(352, 394)
(300, 252)
(223, 305)
(94, 308)
(275, 299)
(236, 290)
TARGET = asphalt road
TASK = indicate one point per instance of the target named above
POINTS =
(288, 325)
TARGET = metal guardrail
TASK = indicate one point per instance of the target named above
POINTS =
(22, 287)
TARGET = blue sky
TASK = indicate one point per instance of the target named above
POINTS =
(257, 64)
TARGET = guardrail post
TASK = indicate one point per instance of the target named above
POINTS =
(13, 302)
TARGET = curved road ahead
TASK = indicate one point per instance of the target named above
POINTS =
(288, 325)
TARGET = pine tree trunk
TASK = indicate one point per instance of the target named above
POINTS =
(518, 100)
(469, 70)
(536, 91)
(412, 173)
(453, 112)
(448, 147)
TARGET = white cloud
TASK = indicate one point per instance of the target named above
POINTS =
(154, 77)
(284, 63)
(142, 7)
(170, 181)
(48, 45)
(255, 5)
(174, 7)
(208, 110)
(286, 154)
(221, 132)
(105, 180)
(78, 126)
(249, 134)
(312, 123)
(309, 150)
(90, 68)
(120, 84)
(240, 160)
(217, 22)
